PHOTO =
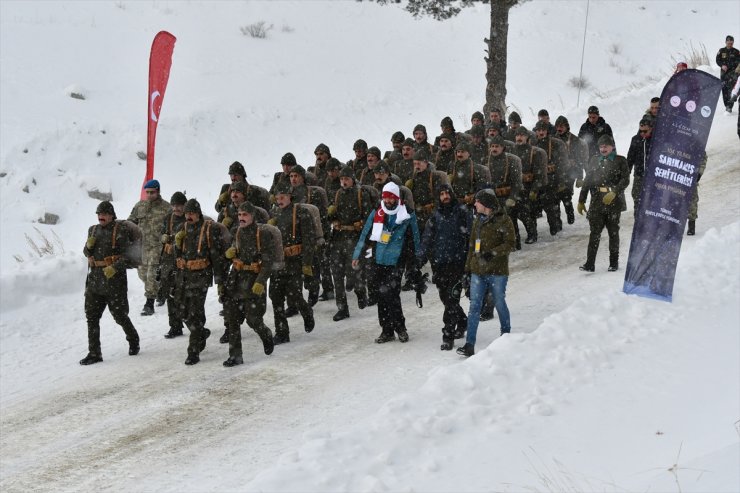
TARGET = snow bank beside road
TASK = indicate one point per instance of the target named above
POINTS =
(591, 366)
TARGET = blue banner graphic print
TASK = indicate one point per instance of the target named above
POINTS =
(687, 107)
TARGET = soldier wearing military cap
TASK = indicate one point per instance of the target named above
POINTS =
(534, 178)
(108, 256)
(200, 245)
(148, 215)
(444, 158)
(423, 185)
(467, 177)
(333, 167)
(254, 257)
(171, 225)
(506, 181)
(421, 140)
(576, 152)
(367, 175)
(543, 117)
(255, 194)
(557, 175)
(394, 155)
(286, 162)
(351, 205)
(607, 176)
(359, 163)
(323, 154)
(404, 168)
(298, 237)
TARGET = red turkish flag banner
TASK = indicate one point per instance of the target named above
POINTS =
(160, 61)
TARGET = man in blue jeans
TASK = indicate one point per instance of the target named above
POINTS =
(492, 238)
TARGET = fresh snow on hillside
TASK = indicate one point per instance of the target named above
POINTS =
(592, 391)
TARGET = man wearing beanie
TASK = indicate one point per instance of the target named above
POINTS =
(171, 225)
(351, 206)
(592, 129)
(607, 176)
(106, 249)
(487, 263)
(148, 214)
(199, 251)
(394, 234)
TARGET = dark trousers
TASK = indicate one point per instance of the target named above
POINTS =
(551, 207)
(117, 304)
(566, 197)
(252, 309)
(528, 214)
(167, 289)
(390, 312)
(445, 277)
(598, 220)
(194, 315)
(322, 271)
(341, 269)
(287, 284)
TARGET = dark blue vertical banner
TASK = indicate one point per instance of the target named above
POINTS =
(687, 107)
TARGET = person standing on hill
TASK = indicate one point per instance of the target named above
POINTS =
(728, 59)
(592, 129)
(148, 214)
(606, 179)
(106, 284)
(492, 239)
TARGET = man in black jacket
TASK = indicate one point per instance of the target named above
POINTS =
(637, 158)
(728, 59)
(592, 129)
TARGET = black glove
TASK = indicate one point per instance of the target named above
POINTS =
(466, 285)
(421, 287)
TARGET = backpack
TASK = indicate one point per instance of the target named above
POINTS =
(135, 243)
(316, 216)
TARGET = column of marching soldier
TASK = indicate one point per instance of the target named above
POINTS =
(315, 228)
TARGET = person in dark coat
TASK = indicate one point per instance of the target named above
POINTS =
(106, 284)
(592, 129)
(491, 241)
(444, 243)
(637, 158)
(606, 179)
(728, 59)
(172, 223)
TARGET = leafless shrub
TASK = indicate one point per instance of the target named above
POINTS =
(256, 30)
(287, 29)
(694, 57)
(580, 82)
(18, 258)
(615, 49)
(43, 246)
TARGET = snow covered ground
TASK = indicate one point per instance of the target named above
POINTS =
(593, 390)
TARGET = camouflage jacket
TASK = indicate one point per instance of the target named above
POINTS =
(149, 216)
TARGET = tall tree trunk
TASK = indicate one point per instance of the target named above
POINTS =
(497, 51)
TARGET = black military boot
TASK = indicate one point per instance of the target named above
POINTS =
(313, 297)
(362, 302)
(383, 338)
(233, 361)
(403, 335)
(341, 314)
(206, 335)
(447, 343)
(326, 295)
(531, 239)
(148, 307)
(91, 359)
(133, 348)
(569, 212)
(280, 338)
(467, 350)
(268, 343)
(691, 231)
(224, 339)
(174, 332)
(462, 327)
(308, 321)
(192, 359)
(587, 267)
(161, 300)
(291, 311)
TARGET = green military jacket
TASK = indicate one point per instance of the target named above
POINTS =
(605, 174)
(497, 239)
(353, 205)
(255, 246)
(111, 244)
(296, 228)
(204, 244)
(171, 224)
(466, 178)
(506, 175)
(444, 160)
(149, 216)
(534, 170)
(557, 161)
(577, 151)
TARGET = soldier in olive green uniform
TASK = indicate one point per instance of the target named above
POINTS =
(172, 224)
(557, 174)
(286, 162)
(694, 205)
(352, 205)
(315, 196)
(199, 248)
(576, 151)
(367, 175)
(323, 154)
(478, 144)
(404, 167)
(391, 157)
(106, 249)
(534, 177)
(148, 215)
(332, 179)
(423, 185)
(506, 181)
(254, 257)
(256, 195)
(359, 163)
(297, 232)
(607, 177)
(467, 177)
(444, 159)
(229, 214)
